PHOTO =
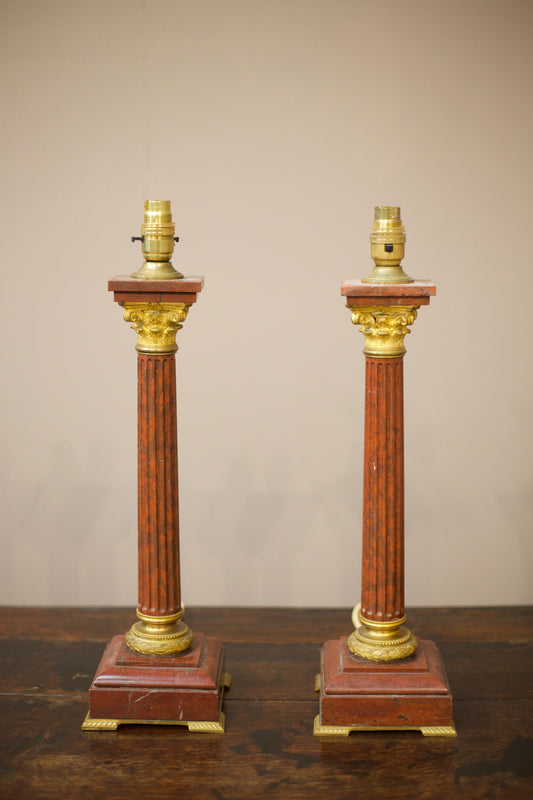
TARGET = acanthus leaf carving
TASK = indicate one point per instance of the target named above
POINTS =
(156, 325)
(384, 328)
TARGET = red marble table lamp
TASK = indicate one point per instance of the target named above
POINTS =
(381, 677)
(159, 672)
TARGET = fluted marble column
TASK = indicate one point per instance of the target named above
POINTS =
(160, 629)
(382, 588)
(380, 634)
(159, 573)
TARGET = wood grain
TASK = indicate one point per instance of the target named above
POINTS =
(263, 670)
(275, 624)
(268, 749)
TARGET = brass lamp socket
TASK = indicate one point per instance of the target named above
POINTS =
(387, 247)
(157, 236)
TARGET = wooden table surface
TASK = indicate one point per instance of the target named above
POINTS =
(48, 658)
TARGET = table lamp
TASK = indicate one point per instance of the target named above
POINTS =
(382, 677)
(159, 672)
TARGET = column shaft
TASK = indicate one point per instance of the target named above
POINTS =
(159, 575)
(382, 589)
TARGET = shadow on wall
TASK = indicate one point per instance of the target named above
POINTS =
(254, 543)
(68, 537)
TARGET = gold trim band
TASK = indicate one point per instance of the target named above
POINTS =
(382, 626)
(158, 229)
(398, 640)
(159, 640)
(392, 649)
(344, 730)
(152, 620)
(202, 726)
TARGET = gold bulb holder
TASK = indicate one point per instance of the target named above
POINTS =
(387, 247)
(157, 236)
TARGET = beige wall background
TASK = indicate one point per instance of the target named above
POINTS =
(275, 127)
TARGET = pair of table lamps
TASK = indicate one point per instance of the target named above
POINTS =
(381, 677)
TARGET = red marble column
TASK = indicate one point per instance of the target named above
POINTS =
(382, 584)
(159, 575)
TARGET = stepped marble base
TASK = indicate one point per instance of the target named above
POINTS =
(358, 694)
(183, 689)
